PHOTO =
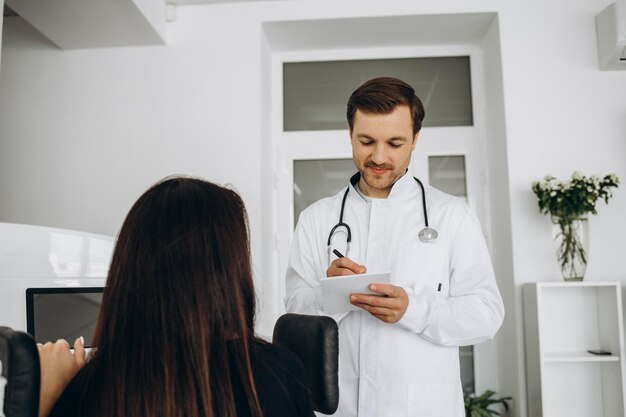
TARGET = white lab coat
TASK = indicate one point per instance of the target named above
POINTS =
(410, 368)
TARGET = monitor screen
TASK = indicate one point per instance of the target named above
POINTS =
(62, 313)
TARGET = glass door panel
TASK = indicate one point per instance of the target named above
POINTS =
(447, 173)
(318, 178)
(315, 93)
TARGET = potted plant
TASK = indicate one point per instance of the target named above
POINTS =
(480, 406)
(568, 203)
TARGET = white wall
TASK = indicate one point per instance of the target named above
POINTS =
(510, 353)
(83, 133)
(562, 114)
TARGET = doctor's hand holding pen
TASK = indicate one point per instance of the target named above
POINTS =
(344, 266)
(390, 308)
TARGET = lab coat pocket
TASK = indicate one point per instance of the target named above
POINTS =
(423, 266)
(435, 399)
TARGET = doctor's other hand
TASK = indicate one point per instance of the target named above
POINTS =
(58, 367)
(344, 266)
(389, 309)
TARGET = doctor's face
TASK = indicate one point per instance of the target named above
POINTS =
(381, 148)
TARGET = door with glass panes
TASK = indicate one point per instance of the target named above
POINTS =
(314, 145)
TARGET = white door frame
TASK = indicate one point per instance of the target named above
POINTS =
(468, 141)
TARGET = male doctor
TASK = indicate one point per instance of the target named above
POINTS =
(398, 354)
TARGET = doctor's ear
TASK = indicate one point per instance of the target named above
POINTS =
(415, 138)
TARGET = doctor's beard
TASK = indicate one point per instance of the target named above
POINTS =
(382, 181)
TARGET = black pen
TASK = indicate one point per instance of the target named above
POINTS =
(336, 252)
(439, 287)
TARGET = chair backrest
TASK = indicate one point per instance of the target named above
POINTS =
(315, 340)
(20, 368)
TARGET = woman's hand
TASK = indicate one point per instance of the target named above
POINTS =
(58, 366)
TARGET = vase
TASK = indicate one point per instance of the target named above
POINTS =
(571, 237)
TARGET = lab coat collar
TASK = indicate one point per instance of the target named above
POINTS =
(404, 188)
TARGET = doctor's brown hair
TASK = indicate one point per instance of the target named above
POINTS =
(382, 95)
(177, 312)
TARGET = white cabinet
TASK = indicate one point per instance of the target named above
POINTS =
(563, 321)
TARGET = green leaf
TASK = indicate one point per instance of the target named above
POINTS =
(480, 406)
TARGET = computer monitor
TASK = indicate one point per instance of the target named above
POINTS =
(62, 313)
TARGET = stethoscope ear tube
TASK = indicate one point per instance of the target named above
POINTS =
(427, 234)
(342, 224)
(423, 203)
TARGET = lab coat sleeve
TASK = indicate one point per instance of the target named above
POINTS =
(304, 292)
(473, 311)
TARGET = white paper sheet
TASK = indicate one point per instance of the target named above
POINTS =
(336, 290)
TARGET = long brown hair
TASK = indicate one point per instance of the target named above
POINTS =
(178, 308)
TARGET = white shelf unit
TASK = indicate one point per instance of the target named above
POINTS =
(564, 320)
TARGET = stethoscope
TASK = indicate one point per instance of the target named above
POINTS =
(426, 235)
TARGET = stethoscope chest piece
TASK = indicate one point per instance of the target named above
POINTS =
(428, 234)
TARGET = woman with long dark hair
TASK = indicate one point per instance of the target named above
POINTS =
(175, 331)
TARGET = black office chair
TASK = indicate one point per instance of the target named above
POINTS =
(20, 368)
(315, 340)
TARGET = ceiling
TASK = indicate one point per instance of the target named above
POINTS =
(8, 12)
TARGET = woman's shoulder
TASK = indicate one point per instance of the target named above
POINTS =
(281, 359)
(67, 404)
(281, 381)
